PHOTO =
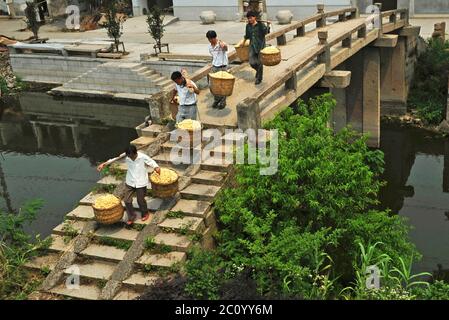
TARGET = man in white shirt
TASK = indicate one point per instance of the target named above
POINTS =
(187, 91)
(136, 181)
(219, 52)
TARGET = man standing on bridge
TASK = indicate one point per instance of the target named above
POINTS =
(255, 32)
(219, 52)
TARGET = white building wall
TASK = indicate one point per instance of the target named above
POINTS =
(191, 9)
(303, 8)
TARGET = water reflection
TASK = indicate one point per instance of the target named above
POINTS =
(417, 173)
(49, 149)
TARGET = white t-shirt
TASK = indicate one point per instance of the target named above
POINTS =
(219, 55)
(185, 96)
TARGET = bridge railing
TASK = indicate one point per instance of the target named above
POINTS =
(281, 35)
(391, 20)
(394, 19)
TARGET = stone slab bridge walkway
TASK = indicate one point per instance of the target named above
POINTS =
(116, 262)
(339, 51)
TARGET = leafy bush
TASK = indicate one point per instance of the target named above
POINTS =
(428, 94)
(439, 290)
(297, 231)
(16, 248)
(3, 86)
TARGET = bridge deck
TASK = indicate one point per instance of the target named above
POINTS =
(299, 51)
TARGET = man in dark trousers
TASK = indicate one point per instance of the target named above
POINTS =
(255, 32)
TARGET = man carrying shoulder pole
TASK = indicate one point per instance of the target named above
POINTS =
(255, 33)
(219, 52)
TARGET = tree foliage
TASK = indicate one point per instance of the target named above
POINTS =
(155, 21)
(428, 94)
(16, 248)
(298, 231)
(113, 23)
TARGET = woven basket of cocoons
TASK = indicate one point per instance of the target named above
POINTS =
(242, 49)
(270, 56)
(221, 83)
(191, 126)
(165, 184)
(108, 209)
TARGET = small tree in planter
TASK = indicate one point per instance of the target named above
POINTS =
(114, 23)
(31, 19)
(156, 28)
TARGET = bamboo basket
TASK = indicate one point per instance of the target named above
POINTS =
(242, 53)
(221, 87)
(167, 190)
(270, 59)
(109, 216)
(191, 137)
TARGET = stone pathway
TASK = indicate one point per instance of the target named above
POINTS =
(119, 262)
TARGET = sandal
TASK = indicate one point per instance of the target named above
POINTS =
(130, 222)
(146, 217)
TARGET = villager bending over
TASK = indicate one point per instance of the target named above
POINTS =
(187, 92)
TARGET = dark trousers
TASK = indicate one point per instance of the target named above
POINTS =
(128, 199)
(256, 64)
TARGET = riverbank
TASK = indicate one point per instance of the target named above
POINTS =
(411, 120)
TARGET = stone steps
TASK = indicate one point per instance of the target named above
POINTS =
(161, 260)
(103, 253)
(165, 158)
(188, 225)
(212, 178)
(213, 164)
(95, 270)
(143, 141)
(84, 292)
(140, 280)
(200, 192)
(127, 294)
(108, 180)
(81, 213)
(117, 232)
(47, 261)
(66, 228)
(176, 241)
(120, 78)
(153, 130)
(193, 208)
(58, 244)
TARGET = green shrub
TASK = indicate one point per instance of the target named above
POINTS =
(3, 86)
(16, 248)
(428, 94)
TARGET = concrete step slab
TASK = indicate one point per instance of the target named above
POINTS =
(127, 294)
(59, 244)
(176, 241)
(118, 232)
(96, 270)
(143, 141)
(162, 260)
(216, 164)
(141, 280)
(84, 292)
(109, 180)
(185, 224)
(81, 213)
(67, 227)
(102, 252)
(200, 192)
(192, 208)
(46, 261)
(153, 130)
(209, 178)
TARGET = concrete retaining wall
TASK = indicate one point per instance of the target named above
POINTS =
(51, 69)
(167, 67)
